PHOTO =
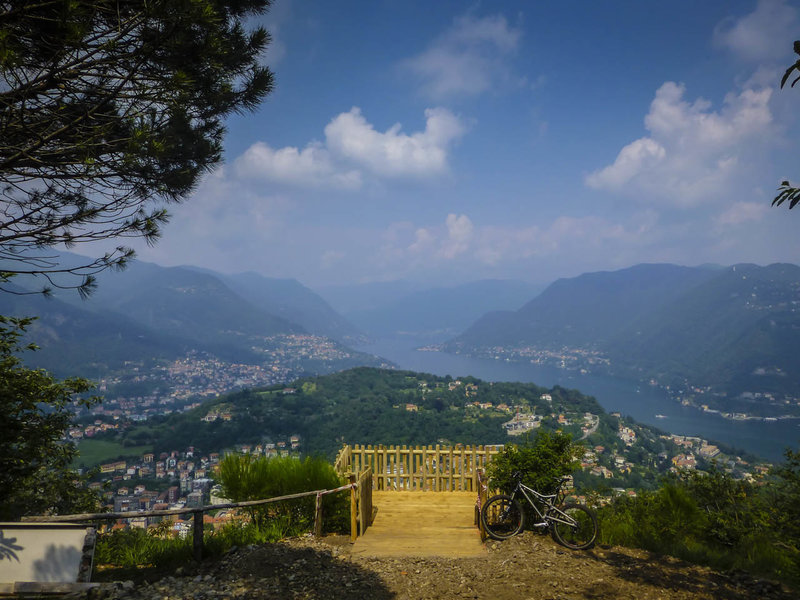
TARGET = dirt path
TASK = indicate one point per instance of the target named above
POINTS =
(529, 566)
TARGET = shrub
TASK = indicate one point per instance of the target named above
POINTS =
(543, 462)
(244, 477)
(708, 518)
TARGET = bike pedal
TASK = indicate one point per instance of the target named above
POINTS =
(542, 524)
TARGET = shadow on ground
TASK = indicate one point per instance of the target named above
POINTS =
(679, 576)
(266, 571)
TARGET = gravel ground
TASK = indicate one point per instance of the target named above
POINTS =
(525, 567)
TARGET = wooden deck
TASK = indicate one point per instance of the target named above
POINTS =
(422, 524)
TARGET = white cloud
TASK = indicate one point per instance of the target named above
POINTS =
(742, 212)
(394, 153)
(231, 220)
(467, 59)
(640, 155)
(762, 35)
(459, 236)
(330, 258)
(353, 146)
(311, 166)
(477, 250)
(573, 238)
(692, 153)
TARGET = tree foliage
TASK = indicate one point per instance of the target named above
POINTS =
(35, 474)
(109, 110)
(787, 192)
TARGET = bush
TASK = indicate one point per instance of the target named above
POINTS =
(244, 477)
(708, 518)
(543, 463)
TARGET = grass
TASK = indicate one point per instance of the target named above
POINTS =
(95, 452)
(123, 553)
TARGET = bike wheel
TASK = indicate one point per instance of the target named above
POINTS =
(580, 532)
(502, 517)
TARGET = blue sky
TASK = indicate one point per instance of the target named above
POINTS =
(443, 142)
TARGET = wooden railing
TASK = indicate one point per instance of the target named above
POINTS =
(483, 496)
(361, 514)
(197, 522)
(420, 468)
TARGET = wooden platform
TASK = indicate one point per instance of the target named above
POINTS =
(422, 524)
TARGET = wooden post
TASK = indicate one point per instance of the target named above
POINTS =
(461, 469)
(318, 517)
(397, 468)
(450, 471)
(407, 467)
(424, 457)
(474, 468)
(197, 535)
(438, 487)
(353, 510)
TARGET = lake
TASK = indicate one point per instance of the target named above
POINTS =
(642, 402)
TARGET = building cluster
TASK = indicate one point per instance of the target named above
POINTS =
(578, 359)
(177, 386)
(190, 473)
(627, 435)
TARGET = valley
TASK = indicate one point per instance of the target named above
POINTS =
(705, 351)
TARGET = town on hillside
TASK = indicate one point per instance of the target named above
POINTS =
(702, 397)
(141, 391)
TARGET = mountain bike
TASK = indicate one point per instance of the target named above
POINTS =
(571, 525)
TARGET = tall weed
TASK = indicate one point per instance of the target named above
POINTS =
(244, 477)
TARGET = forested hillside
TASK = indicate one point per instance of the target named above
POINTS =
(375, 406)
(733, 328)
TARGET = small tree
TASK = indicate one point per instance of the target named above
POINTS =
(35, 473)
(543, 462)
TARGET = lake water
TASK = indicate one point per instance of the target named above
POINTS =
(642, 402)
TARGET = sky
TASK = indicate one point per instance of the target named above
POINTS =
(444, 142)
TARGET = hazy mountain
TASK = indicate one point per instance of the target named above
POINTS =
(586, 310)
(740, 330)
(73, 339)
(445, 309)
(148, 311)
(736, 328)
(291, 300)
(189, 304)
(350, 299)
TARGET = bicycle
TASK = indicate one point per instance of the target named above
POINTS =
(571, 525)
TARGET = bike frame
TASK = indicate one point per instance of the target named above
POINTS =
(548, 500)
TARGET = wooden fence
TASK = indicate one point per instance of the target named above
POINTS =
(197, 521)
(361, 511)
(420, 468)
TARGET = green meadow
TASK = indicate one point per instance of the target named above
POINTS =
(95, 452)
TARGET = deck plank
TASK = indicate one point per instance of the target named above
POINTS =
(422, 524)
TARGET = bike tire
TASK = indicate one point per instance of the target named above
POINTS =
(581, 536)
(502, 517)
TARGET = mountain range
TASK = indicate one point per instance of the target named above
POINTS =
(735, 328)
(151, 312)
(399, 307)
